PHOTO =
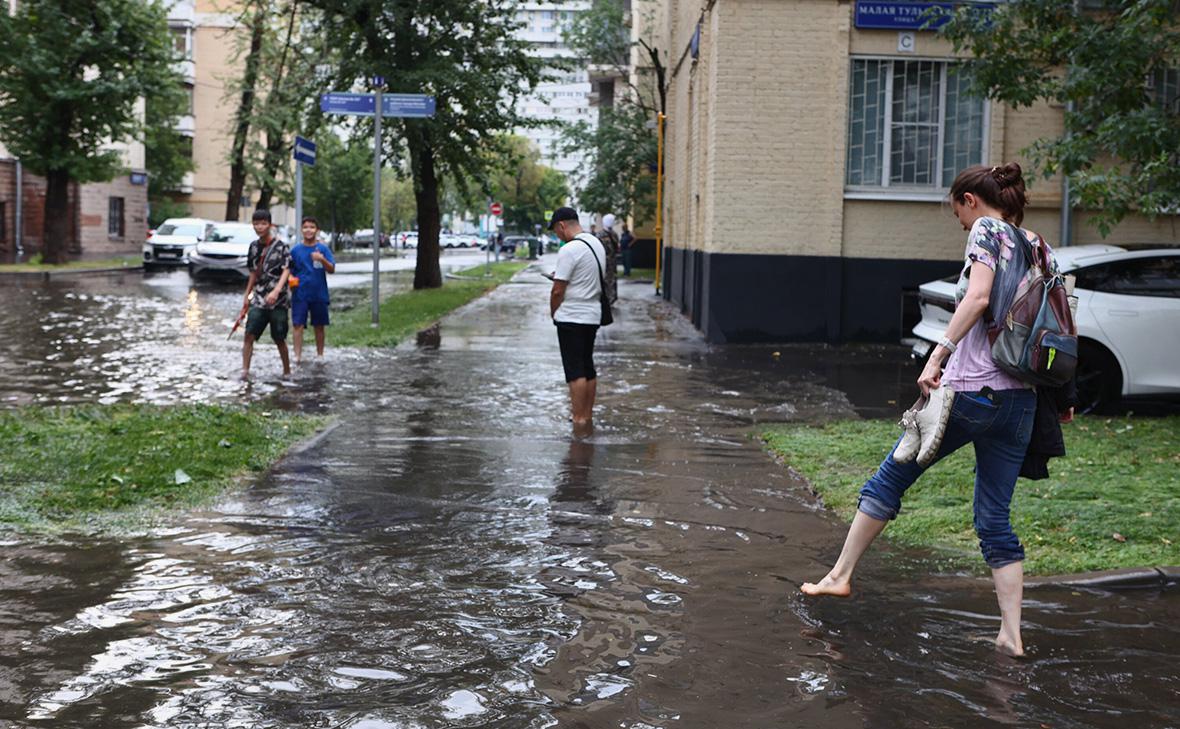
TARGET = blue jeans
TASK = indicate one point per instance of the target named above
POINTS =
(999, 424)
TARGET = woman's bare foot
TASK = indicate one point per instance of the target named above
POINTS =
(1009, 647)
(831, 586)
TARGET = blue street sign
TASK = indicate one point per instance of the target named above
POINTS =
(304, 151)
(378, 81)
(909, 14)
(404, 105)
(347, 103)
(409, 105)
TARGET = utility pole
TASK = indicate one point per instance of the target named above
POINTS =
(379, 82)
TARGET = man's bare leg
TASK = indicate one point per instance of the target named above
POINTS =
(1009, 581)
(247, 354)
(319, 341)
(579, 401)
(838, 582)
(591, 396)
(298, 336)
(284, 356)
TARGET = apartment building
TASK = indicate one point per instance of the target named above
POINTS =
(565, 98)
(810, 146)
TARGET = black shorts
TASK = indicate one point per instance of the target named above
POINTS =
(577, 349)
(259, 319)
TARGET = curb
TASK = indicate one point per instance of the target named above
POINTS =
(49, 275)
(306, 445)
(1142, 578)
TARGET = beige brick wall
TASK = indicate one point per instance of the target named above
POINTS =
(93, 211)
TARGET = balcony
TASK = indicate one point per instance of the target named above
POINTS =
(187, 184)
(186, 125)
(182, 12)
(188, 69)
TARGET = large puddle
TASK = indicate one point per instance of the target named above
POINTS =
(449, 556)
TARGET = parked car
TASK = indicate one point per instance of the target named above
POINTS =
(1128, 321)
(363, 238)
(408, 239)
(223, 255)
(174, 241)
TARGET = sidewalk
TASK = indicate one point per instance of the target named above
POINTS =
(450, 556)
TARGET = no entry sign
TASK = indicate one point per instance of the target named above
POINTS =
(497, 208)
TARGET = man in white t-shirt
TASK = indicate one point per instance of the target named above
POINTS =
(575, 305)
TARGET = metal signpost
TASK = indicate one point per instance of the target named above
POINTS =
(304, 154)
(354, 104)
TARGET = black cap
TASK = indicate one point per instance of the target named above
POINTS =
(561, 214)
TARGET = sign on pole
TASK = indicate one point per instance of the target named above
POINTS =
(414, 106)
(496, 208)
(304, 151)
(304, 154)
(356, 104)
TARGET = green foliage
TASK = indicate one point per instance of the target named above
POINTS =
(464, 53)
(71, 77)
(523, 186)
(600, 34)
(338, 190)
(1118, 65)
(162, 208)
(397, 202)
(412, 311)
(621, 153)
(168, 154)
(65, 466)
(1120, 477)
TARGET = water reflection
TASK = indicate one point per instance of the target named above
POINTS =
(450, 556)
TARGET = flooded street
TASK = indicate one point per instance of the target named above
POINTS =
(448, 556)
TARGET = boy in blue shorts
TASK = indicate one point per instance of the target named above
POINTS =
(311, 262)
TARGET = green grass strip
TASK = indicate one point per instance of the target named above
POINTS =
(1121, 477)
(36, 264)
(409, 312)
(70, 467)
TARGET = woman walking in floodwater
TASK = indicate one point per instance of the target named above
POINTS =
(990, 409)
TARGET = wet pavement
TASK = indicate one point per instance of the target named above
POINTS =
(449, 556)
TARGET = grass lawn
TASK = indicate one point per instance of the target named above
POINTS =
(79, 467)
(1113, 501)
(409, 312)
(36, 264)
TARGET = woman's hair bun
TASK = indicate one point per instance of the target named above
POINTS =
(1007, 175)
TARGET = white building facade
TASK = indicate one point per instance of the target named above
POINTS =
(566, 96)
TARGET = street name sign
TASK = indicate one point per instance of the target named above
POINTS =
(304, 151)
(404, 105)
(910, 14)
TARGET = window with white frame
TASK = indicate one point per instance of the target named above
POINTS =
(912, 125)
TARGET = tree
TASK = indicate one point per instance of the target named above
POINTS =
(622, 153)
(338, 189)
(276, 95)
(621, 150)
(465, 54)
(168, 154)
(1116, 69)
(525, 187)
(71, 78)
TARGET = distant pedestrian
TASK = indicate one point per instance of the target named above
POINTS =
(625, 242)
(979, 403)
(575, 303)
(610, 243)
(311, 262)
(269, 261)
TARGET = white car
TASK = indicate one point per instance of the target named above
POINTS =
(223, 254)
(174, 241)
(1128, 321)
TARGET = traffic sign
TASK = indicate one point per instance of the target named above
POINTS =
(304, 151)
(496, 208)
(548, 216)
(403, 105)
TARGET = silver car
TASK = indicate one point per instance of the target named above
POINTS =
(223, 254)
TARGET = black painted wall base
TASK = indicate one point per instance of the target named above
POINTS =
(771, 298)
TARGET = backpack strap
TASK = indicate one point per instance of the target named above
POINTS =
(597, 265)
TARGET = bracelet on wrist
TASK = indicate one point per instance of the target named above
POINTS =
(948, 345)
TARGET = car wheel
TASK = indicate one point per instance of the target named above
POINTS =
(1100, 379)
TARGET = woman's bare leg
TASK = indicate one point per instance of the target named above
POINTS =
(1009, 581)
(838, 582)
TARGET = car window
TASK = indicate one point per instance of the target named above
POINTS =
(1155, 276)
(233, 234)
(171, 229)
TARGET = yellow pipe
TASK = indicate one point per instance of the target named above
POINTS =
(659, 198)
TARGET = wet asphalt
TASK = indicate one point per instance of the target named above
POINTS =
(449, 555)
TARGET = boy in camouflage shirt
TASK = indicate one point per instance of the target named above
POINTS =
(269, 261)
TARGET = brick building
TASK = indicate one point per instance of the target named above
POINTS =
(808, 159)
